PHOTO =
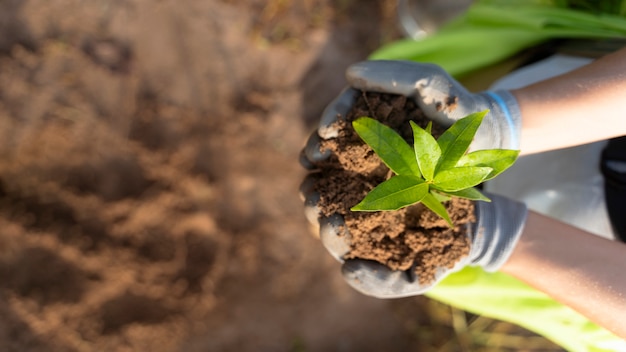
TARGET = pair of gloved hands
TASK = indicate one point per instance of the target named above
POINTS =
(499, 222)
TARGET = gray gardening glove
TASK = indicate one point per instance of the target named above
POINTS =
(492, 240)
(493, 237)
(443, 100)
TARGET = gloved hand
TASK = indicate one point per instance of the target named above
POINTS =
(441, 98)
(492, 239)
(499, 223)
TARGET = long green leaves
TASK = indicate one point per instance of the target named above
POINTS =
(433, 170)
(499, 29)
(460, 178)
(455, 141)
(393, 194)
(388, 145)
(497, 159)
(427, 151)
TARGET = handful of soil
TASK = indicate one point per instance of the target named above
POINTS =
(412, 238)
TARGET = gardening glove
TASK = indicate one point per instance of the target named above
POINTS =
(312, 152)
(441, 98)
(492, 238)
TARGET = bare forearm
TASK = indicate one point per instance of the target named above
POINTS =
(578, 269)
(582, 106)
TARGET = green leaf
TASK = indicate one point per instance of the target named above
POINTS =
(393, 194)
(455, 141)
(497, 159)
(447, 171)
(469, 193)
(429, 127)
(439, 195)
(459, 178)
(427, 151)
(394, 151)
(431, 202)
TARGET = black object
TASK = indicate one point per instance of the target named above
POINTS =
(613, 167)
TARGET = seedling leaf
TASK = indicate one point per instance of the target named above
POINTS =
(441, 197)
(429, 127)
(427, 151)
(431, 202)
(459, 178)
(471, 194)
(455, 141)
(394, 151)
(393, 194)
(497, 159)
(433, 170)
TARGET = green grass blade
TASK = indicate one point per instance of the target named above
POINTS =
(459, 178)
(393, 194)
(497, 159)
(455, 141)
(427, 151)
(431, 202)
(392, 149)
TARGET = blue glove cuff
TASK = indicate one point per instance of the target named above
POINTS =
(505, 118)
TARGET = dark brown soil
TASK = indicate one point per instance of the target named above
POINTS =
(413, 236)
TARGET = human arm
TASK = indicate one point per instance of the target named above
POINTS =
(429, 87)
(582, 106)
(576, 268)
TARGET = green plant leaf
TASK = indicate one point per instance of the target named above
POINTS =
(427, 151)
(429, 127)
(497, 159)
(455, 141)
(469, 193)
(440, 196)
(394, 151)
(459, 178)
(393, 194)
(446, 169)
(431, 202)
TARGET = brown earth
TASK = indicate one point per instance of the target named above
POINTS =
(149, 179)
(409, 239)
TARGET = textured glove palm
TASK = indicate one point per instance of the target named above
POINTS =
(442, 99)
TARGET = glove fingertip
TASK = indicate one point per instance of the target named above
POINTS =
(377, 280)
(338, 108)
(305, 162)
(385, 76)
(313, 150)
(334, 236)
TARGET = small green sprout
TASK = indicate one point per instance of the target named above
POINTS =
(433, 170)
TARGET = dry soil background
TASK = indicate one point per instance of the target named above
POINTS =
(149, 176)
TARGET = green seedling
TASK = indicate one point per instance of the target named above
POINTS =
(432, 170)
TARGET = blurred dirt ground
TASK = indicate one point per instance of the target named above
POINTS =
(149, 176)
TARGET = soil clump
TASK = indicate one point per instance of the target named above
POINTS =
(410, 239)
